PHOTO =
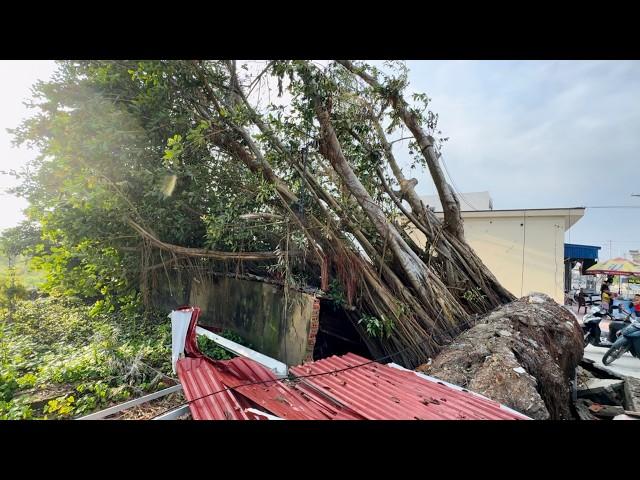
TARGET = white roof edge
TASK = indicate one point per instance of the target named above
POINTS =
(578, 211)
(456, 387)
(277, 367)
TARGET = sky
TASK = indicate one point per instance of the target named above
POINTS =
(16, 79)
(535, 134)
(543, 134)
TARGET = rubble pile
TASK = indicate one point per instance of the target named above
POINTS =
(523, 354)
(602, 394)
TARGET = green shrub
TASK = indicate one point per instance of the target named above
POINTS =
(212, 350)
(88, 360)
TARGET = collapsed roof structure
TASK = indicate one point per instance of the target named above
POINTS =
(347, 387)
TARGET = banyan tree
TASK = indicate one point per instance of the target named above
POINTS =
(312, 160)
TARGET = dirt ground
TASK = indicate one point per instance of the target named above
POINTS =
(149, 410)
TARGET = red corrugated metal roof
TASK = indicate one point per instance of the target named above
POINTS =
(275, 397)
(370, 391)
(198, 380)
(373, 392)
(380, 392)
(201, 377)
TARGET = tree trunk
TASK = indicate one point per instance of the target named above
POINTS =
(450, 203)
(523, 355)
(420, 295)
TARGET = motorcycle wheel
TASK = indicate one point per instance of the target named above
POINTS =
(587, 339)
(614, 353)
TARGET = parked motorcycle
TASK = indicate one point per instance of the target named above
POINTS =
(617, 325)
(591, 327)
(628, 341)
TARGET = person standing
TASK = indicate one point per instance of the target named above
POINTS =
(581, 300)
(606, 300)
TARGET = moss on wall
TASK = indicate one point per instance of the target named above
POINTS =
(256, 311)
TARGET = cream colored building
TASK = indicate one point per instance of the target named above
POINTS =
(523, 248)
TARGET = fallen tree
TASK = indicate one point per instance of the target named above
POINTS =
(320, 164)
(523, 354)
(155, 165)
(421, 296)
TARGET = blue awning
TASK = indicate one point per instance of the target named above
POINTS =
(571, 250)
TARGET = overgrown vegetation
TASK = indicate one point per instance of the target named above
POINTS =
(57, 360)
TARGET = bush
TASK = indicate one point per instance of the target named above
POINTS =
(212, 350)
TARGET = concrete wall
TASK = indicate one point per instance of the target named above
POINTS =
(170, 289)
(499, 240)
(256, 311)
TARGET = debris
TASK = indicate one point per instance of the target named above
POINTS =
(598, 383)
(519, 370)
(583, 411)
(632, 393)
(603, 391)
(598, 371)
(606, 411)
(625, 417)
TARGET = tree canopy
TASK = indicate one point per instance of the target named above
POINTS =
(285, 168)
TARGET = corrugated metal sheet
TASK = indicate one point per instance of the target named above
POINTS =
(277, 397)
(572, 250)
(369, 391)
(201, 377)
(379, 392)
(372, 392)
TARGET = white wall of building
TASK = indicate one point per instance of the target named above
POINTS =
(523, 249)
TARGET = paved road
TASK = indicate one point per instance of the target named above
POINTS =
(625, 365)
